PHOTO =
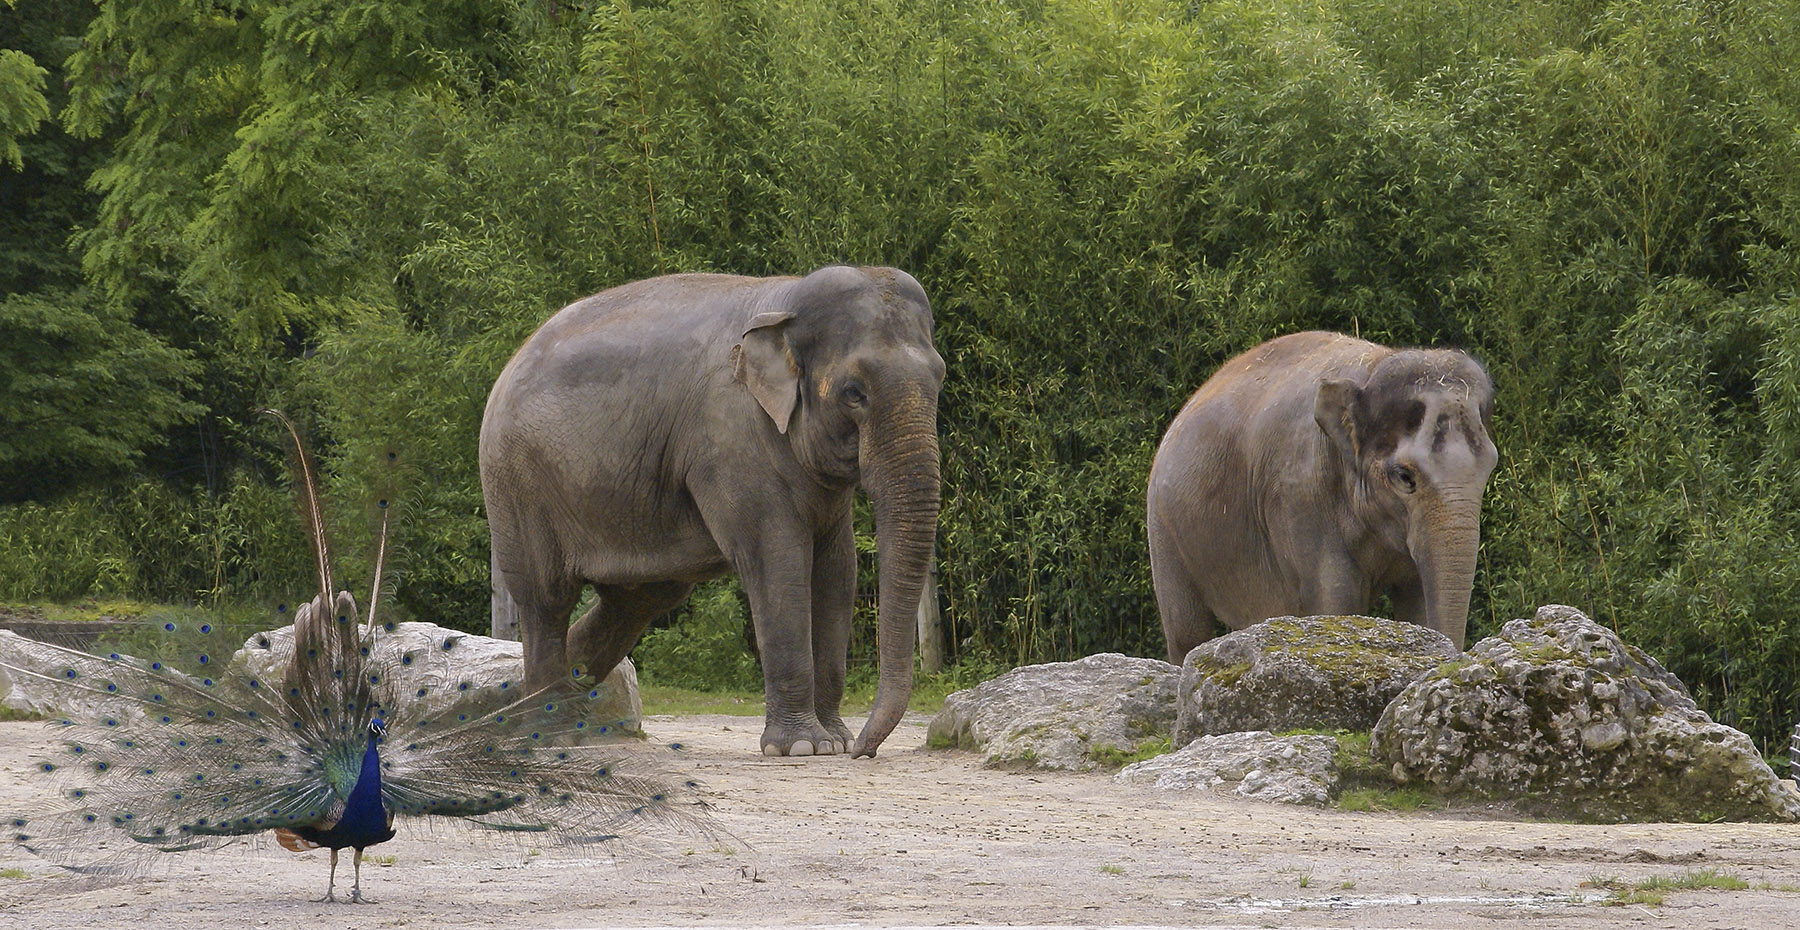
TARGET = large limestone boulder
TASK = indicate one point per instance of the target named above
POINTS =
(1258, 765)
(1061, 715)
(1558, 713)
(418, 656)
(435, 659)
(1302, 673)
(18, 689)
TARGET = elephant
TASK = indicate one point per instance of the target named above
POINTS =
(674, 429)
(1311, 474)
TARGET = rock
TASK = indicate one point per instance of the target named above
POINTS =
(476, 659)
(443, 656)
(1305, 673)
(1558, 712)
(18, 691)
(1288, 769)
(1061, 715)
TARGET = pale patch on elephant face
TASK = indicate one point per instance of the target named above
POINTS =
(1448, 451)
(1426, 455)
(927, 358)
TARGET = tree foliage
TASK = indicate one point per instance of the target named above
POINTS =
(357, 210)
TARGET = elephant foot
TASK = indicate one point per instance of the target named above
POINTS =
(840, 733)
(803, 741)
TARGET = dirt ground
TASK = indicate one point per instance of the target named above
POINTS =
(918, 838)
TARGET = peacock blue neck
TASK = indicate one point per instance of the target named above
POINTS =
(363, 813)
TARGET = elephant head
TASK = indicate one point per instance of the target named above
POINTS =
(842, 362)
(1415, 451)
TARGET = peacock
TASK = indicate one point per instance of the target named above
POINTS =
(198, 749)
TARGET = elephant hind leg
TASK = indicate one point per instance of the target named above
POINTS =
(1186, 620)
(606, 633)
(537, 614)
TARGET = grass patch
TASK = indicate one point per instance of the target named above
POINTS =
(1302, 877)
(1113, 757)
(928, 695)
(664, 699)
(94, 610)
(13, 873)
(1397, 799)
(77, 612)
(1111, 869)
(9, 715)
(1367, 786)
(1653, 891)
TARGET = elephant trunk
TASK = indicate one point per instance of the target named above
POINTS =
(1443, 541)
(900, 474)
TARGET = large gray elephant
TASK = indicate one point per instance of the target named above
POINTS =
(668, 431)
(1314, 472)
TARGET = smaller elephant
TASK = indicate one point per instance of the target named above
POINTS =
(1311, 474)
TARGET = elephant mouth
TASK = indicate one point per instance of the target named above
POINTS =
(839, 468)
(836, 462)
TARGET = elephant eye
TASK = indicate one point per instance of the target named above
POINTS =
(1404, 479)
(852, 395)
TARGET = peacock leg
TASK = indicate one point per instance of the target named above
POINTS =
(356, 889)
(331, 881)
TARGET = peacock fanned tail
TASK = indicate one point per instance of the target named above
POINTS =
(165, 759)
(196, 750)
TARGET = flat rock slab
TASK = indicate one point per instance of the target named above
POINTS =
(425, 656)
(1302, 673)
(420, 656)
(1557, 712)
(1066, 716)
(1259, 765)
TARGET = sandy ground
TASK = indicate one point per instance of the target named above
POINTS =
(931, 838)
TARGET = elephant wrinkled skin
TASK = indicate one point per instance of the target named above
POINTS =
(1314, 472)
(671, 430)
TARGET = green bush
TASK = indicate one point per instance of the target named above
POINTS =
(703, 648)
(358, 216)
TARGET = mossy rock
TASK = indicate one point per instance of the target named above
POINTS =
(1294, 673)
(1093, 713)
(1557, 714)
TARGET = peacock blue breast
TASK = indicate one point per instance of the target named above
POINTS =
(364, 822)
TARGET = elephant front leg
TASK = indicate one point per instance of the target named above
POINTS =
(778, 580)
(833, 603)
(1409, 601)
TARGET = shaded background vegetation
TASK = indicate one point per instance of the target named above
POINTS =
(356, 210)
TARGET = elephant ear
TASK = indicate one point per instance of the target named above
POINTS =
(765, 364)
(1335, 410)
